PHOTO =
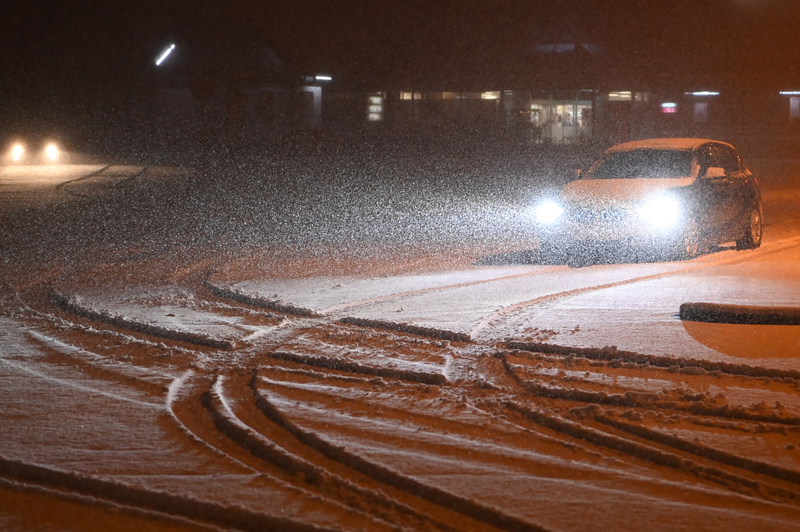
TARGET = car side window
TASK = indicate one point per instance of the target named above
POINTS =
(727, 159)
(706, 158)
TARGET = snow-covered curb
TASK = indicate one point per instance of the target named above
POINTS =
(739, 314)
(70, 304)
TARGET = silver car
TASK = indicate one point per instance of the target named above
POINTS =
(673, 196)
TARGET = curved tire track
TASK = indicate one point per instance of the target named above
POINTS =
(640, 450)
(328, 483)
(382, 474)
(153, 500)
(510, 310)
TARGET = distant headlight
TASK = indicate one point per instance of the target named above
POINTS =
(661, 211)
(548, 211)
(52, 152)
(17, 152)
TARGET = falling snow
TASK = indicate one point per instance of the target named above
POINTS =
(368, 340)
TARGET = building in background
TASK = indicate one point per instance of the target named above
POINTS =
(555, 86)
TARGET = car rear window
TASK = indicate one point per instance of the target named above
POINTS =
(642, 163)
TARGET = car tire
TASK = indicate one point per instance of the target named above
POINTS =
(753, 230)
(689, 243)
(552, 252)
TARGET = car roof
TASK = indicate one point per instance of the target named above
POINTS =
(663, 144)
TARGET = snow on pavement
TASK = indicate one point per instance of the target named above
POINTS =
(630, 306)
(113, 381)
(89, 427)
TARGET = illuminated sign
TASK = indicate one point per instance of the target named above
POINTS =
(702, 93)
(669, 107)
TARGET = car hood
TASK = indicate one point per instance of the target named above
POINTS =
(619, 190)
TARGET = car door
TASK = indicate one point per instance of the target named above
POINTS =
(734, 189)
(719, 203)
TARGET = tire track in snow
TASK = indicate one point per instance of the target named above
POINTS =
(64, 187)
(175, 389)
(209, 416)
(508, 311)
(421, 291)
(224, 411)
(64, 302)
(447, 500)
(488, 321)
(87, 390)
(648, 453)
(620, 437)
(152, 500)
(663, 361)
(353, 367)
(115, 179)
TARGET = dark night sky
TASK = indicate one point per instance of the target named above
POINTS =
(76, 50)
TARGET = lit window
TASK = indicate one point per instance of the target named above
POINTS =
(619, 96)
(702, 93)
(375, 108)
(794, 107)
(376, 100)
(701, 112)
(490, 95)
(410, 96)
(375, 117)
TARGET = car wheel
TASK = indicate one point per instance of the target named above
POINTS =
(689, 244)
(552, 252)
(752, 235)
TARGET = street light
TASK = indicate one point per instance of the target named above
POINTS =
(164, 54)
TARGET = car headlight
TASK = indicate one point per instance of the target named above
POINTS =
(661, 211)
(51, 152)
(17, 152)
(548, 211)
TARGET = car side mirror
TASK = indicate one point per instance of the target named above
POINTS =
(715, 171)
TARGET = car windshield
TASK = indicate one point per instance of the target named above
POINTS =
(642, 163)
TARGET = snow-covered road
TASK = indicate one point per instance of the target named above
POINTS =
(190, 353)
